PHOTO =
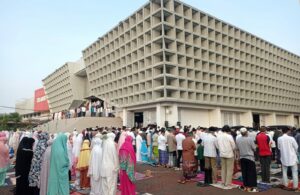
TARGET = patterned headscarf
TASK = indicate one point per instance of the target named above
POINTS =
(34, 174)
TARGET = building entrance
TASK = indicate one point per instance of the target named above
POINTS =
(138, 119)
(256, 121)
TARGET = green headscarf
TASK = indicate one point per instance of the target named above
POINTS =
(58, 183)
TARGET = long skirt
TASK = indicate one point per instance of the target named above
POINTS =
(126, 186)
(84, 179)
(2, 176)
(155, 151)
(189, 168)
(163, 157)
(109, 184)
(96, 186)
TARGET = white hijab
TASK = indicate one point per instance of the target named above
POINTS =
(110, 160)
(95, 161)
(77, 145)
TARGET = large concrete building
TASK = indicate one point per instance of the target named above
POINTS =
(171, 62)
(65, 85)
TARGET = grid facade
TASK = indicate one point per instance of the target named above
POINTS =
(58, 89)
(170, 51)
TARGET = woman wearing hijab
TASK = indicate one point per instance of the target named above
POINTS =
(35, 170)
(94, 168)
(127, 167)
(109, 166)
(189, 162)
(76, 151)
(144, 151)
(45, 168)
(22, 168)
(83, 164)
(4, 158)
(58, 181)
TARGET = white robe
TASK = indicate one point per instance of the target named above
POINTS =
(109, 167)
(139, 140)
(76, 151)
(77, 145)
(94, 168)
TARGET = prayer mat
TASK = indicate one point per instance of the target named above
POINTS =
(274, 171)
(221, 186)
(199, 177)
(263, 186)
(140, 176)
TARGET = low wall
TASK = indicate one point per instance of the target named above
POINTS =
(68, 125)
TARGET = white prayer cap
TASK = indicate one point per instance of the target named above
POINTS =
(181, 131)
(243, 130)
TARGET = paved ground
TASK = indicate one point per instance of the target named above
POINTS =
(164, 182)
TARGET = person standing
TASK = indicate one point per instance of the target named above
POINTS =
(22, 168)
(109, 167)
(127, 160)
(83, 164)
(139, 141)
(4, 158)
(297, 138)
(200, 156)
(179, 139)
(58, 182)
(189, 162)
(45, 168)
(83, 110)
(162, 148)
(35, 170)
(288, 149)
(246, 148)
(171, 141)
(94, 167)
(132, 134)
(155, 145)
(264, 143)
(210, 144)
(226, 148)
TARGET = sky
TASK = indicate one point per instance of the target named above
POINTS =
(38, 36)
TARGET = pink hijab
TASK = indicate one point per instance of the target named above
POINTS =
(128, 148)
(4, 151)
(122, 139)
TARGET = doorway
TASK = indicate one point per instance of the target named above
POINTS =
(138, 119)
(256, 121)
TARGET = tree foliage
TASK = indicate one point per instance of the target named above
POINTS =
(9, 121)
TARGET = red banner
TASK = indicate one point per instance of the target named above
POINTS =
(40, 100)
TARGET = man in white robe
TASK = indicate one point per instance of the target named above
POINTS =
(139, 140)
(94, 168)
(109, 167)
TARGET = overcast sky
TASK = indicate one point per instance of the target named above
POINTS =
(36, 37)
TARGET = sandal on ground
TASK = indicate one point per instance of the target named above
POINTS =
(252, 190)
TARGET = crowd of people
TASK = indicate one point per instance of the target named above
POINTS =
(87, 109)
(104, 159)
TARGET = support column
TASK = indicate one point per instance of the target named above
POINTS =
(124, 117)
(215, 118)
(247, 119)
(160, 115)
(172, 114)
(270, 119)
(291, 120)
